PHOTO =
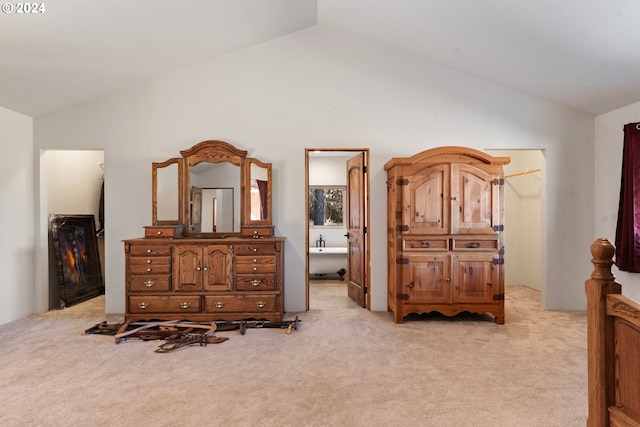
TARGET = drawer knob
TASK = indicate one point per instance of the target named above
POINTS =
(149, 269)
(474, 244)
(148, 251)
(255, 249)
(149, 283)
(255, 268)
(219, 304)
(143, 305)
(261, 304)
(185, 305)
(148, 261)
(425, 244)
(159, 233)
(255, 282)
(255, 260)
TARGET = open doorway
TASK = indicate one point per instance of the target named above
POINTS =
(72, 183)
(337, 212)
(525, 193)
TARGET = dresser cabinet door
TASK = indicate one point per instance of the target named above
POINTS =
(187, 268)
(216, 268)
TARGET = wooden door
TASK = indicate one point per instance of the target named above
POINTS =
(474, 198)
(356, 221)
(475, 278)
(426, 279)
(216, 268)
(426, 204)
(187, 268)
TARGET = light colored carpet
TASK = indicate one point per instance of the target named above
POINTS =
(341, 368)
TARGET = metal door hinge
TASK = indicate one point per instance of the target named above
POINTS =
(402, 181)
(498, 297)
(364, 169)
(402, 228)
(498, 261)
(366, 290)
(499, 181)
(402, 260)
(402, 297)
(498, 227)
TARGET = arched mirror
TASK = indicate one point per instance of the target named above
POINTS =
(258, 192)
(212, 189)
(166, 188)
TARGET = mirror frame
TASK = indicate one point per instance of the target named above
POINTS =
(211, 151)
(247, 192)
(154, 191)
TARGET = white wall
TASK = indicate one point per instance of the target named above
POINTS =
(319, 88)
(609, 143)
(523, 217)
(19, 296)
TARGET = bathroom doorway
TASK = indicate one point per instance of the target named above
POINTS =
(337, 212)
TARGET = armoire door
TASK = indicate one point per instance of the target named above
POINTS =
(426, 206)
(474, 200)
(426, 279)
(475, 278)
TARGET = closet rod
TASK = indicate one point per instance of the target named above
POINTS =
(523, 173)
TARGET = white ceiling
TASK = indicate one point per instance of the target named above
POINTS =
(584, 54)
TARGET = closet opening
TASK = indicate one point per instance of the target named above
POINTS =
(337, 212)
(525, 218)
(72, 224)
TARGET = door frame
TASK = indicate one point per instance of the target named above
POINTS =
(366, 181)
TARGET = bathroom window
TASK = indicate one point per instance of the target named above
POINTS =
(326, 206)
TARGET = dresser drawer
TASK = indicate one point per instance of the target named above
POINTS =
(240, 303)
(168, 231)
(254, 249)
(477, 244)
(164, 304)
(255, 282)
(150, 250)
(156, 265)
(426, 243)
(149, 283)
(255, 264)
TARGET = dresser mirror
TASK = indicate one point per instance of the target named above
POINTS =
(212, 188)
(258, 196)
(214, 198)
(166, 192)
(214, 191)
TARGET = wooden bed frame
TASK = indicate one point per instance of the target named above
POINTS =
(613, 330)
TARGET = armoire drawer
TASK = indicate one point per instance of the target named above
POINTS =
(240, 303)
(426, 243)
(164, 304)
(478, 244)
(149, 283)
(255, 282)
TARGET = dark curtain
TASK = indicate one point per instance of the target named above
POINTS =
(628, 228)
(262, 190)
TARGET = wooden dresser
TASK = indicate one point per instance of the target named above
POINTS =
(210, 253)
(204, 279)
(445, 233)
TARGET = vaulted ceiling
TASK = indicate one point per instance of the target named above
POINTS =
(584, 54)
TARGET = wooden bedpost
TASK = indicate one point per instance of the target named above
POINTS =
(600, 345)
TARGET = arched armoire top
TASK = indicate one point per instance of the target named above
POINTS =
(452, 151)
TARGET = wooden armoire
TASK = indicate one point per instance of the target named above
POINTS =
(445, 228)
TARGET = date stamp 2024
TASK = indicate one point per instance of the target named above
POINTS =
(23, 8)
